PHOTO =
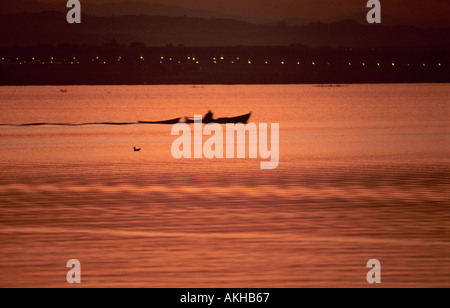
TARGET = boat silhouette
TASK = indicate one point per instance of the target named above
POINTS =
(239, 119)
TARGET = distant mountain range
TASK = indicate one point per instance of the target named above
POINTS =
(24, 29)
(120, 9)
(138, 7)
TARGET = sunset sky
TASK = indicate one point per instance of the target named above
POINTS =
(431, 12)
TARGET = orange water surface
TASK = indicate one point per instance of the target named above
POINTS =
(363, 174)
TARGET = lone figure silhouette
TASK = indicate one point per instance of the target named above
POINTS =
(208, 117)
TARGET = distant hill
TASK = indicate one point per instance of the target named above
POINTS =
(118, 9)
(21, 6)
(26, 29)
(386, 20)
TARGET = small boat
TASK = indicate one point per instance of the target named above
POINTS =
(172, 121)
(239, 119)
(136, 149)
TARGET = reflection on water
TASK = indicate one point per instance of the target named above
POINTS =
(363, 174)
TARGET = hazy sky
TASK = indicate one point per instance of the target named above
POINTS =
(412, 10)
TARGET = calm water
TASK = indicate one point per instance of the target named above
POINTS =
(363, 174)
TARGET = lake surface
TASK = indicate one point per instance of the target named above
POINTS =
(363, 174)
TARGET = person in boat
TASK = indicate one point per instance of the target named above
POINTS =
(208, 117)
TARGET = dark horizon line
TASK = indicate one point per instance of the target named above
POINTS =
(139, 44)
(281, 22)
(35, 28)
